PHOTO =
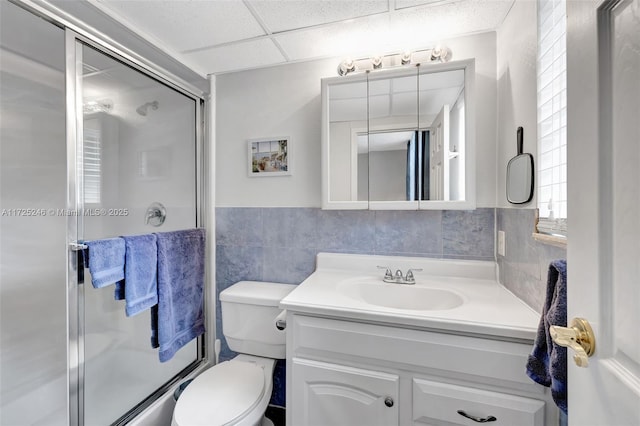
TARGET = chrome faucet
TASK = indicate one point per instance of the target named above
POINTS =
(398, 278)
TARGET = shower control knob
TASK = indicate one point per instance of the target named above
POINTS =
(388, 401)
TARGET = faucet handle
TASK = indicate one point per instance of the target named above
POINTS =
(409, 277)
(387, 273)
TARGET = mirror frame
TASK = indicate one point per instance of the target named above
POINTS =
(469, 203)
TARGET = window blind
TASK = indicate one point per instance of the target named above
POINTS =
(92, 165)
(552, 114)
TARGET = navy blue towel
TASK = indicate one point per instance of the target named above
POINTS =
(179, 317)
(547, 363)
(106, 261)
(140, 273)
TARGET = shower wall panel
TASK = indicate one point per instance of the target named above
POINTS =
(33, 327)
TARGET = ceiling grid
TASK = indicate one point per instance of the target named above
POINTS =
(219, 36)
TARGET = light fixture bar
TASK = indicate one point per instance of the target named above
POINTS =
(376, 62)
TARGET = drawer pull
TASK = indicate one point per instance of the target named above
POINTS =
(477, 419)
(388, 401)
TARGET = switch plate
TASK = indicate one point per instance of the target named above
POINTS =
(501, 243)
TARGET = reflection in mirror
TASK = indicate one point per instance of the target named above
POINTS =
(393, 141)
(442, 127)
(416, 149)
(392, 164)
(347, 118)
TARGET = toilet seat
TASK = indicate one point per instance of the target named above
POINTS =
(222, 395)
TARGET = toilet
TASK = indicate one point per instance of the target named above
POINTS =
(237, 392)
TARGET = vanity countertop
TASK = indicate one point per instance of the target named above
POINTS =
(488, 308)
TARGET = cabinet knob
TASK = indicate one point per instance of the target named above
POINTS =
(388, 401)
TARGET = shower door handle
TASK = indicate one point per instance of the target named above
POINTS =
(80, 263)
(78, 249)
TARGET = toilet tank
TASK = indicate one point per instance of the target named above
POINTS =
(249, 311)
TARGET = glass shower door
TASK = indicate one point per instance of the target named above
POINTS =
(33, 312)
(139, 151)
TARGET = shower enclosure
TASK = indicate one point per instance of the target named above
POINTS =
(91, 146)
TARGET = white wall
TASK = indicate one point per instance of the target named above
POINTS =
(285, 100)
(388, 176)
(517, 47)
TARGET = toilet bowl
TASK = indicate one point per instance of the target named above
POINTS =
(237, 392)
(234, 392)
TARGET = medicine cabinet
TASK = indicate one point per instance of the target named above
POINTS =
(401, 139)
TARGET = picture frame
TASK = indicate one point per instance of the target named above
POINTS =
(269, 156)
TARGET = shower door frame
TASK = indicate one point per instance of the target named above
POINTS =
(78, 34)
(75, 198)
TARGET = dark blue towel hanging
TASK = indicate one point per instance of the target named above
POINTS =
(547, 363)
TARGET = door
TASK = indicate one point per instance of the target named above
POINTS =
(603, 111)
(138, 157)
(439, 158)
(332, 394)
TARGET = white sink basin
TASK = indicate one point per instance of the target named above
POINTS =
(399, 296)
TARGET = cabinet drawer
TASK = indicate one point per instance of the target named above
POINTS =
(485, 359)
(438, 404)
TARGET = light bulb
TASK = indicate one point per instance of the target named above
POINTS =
(346, 67)
(405, 58)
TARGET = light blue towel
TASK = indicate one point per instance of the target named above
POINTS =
(547, 363)
(180, 316)
(140, 273)
(106, 261)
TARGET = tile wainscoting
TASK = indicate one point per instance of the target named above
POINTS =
(524, 268)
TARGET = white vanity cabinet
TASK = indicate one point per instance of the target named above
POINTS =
(350, 373)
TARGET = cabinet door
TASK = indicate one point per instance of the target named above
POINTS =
(444, 404)
(336, 395)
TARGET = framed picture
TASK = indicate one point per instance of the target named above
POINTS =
(269, 157)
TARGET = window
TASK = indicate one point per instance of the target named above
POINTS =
(552, 116)
(91, 161)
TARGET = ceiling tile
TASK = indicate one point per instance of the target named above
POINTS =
(439, 21)
(239, 56)
(282, 15)
(366, 36)
(405, 29)
(183, 25)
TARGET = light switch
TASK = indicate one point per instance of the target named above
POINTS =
(501, 244)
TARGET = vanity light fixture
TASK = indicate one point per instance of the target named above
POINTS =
(438, 53)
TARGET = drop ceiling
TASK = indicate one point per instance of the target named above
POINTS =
(219, 36)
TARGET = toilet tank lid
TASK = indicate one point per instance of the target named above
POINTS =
(256, 293)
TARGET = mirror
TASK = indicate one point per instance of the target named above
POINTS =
(393, 138)
(520, 175)
(400, 139)
(345, 181)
